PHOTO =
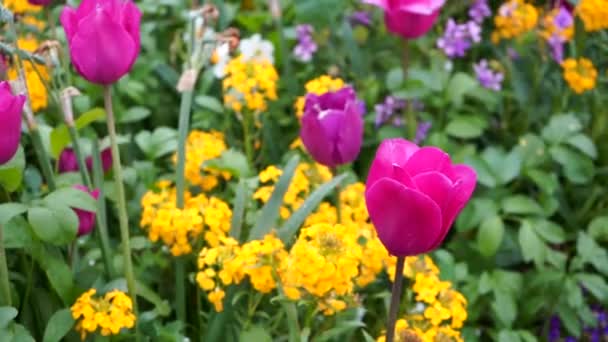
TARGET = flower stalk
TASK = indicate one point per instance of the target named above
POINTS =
(5, 285)
(395, 300)
(120, 198)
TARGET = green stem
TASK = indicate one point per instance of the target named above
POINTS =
(395, 300)
(42, 156)
(5, 285)
(102, 227)
(82, 166)
(410, 116)
(285, 55)
(180, 182)
(121, 201)
(247, 137)
(334, 171)
(292, 321)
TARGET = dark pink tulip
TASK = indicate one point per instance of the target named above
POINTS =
(68, 161)
(11, 107)
(104, 38)
(86, 219)
(332, 126)
(40, 2)
(409, 18)
(414, 194)
(106, 160)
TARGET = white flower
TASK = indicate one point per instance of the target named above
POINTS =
(255, 48)
(221, 57)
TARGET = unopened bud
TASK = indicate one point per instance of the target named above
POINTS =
(66, 104)
(232, 36)
(210, 12)
(49, 50)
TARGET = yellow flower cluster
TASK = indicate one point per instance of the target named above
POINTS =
(306, 178)
(515, 17)
(200, 147)
(177, 228)
(249, 84)
(550, 29)
(580, 74)
(444, 308)
(594, 14)
(36, 75)
(109, 313)
(21, 6)
(229, 263)
(318, 86)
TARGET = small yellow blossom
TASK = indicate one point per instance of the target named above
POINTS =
(21, 6)
(249, 84)
(36, 75)
(580, 74)
(515, 17)
(317, 86)
(108, 314)
(594, 14)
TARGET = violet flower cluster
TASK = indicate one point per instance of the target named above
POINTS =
(595, 334)
(562, 21)
(458, 38)
(362, 18)
(391, 108)
(487, 77)
(479, 11)
(306, 47)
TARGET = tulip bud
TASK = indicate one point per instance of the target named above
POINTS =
(413, 195)
(106, 160)
(86, 219)
(332, 126)
(67, 161)
(409, 18)
(104, 38)
(11, 108)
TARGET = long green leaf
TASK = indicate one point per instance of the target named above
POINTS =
(58, 326)
(238, 210)
(270, 211)
(291, 227)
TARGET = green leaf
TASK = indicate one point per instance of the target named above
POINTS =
(17, 233)
(592, 253)
(598, 228)
(549, 231)
(595, 284)
(57, 225)
(570, 320)
(521, 205)
(7, 314)
(561, 127)
(460, 85)
(270, 211)
(238, 212)
(584, 144)
(504, 308)
(340, 330)
(578, 168)
(10, 210)
(485, 174)
(509, 167)
(58, 326)
(21, 334)
(11, 173)
(232, 161)
(291, 227)
(57, 271)
(73, 198)
(60, 137)
(256, 333)
(547, 182)
(508, 336)
(394, 79)
(489, 236)
(466, 126)
(209, 102)
(134, 114)
(158, 143)
(532, 247)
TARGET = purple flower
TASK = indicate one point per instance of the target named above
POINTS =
(458, 38)
(422, 131)
(332, 126)
(360, 18)
(512, 53)
(563, 19)
(386, 110)
(487, 77)
(479, 11)
(306, 47)
(554, 329)
(556, 44)
(67, 161)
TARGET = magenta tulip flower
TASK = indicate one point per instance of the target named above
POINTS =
(86, 219)
(409, 18)
(11, 107)
(414, 194)
(104, 38)
(106, 160)
(332, 126)
(40, 2)
(67, 161)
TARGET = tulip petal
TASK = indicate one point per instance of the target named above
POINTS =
(458, 197)
(350, 136)
(68, 21)
(423, 7)
(400, 175)
(407, 221)
(10, 119)
(408, 24)
(428, 159)
(390, 152)
(380, 3)
(435, 185)
(101, 49)
(316, 141)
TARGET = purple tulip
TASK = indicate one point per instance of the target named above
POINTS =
(104, 38)
(68, 161)
(86, 219)
(409, 18)
(11, 107)
(332, 126)
(414, 194)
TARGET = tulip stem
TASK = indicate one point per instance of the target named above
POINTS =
(5, 285)
(334, 171)
(121, 201)
(410, 116)
(180, 183)
(82, 166)
(395, 300)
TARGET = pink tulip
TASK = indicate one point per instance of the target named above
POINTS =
(86, 219)
(40, 2)
(414, 194)
(11, 107)
(67, 161)
(409, 18)
(104, 38)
